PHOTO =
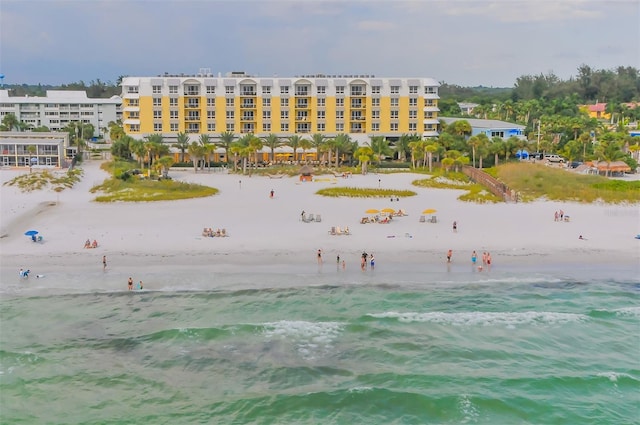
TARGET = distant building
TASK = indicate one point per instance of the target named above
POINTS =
(492, 128)
(467, 108)
(51, 149)
(59, 107)
(358, 105)
(598, 111)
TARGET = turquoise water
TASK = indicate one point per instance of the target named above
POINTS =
(328, 348)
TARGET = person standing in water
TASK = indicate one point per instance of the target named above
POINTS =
(130, 283)
(449, 255)
(104, 262)
(373, 262)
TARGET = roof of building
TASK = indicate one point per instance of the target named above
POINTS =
(479, 123)
(33, 138)
(598, 107)
(59, 96)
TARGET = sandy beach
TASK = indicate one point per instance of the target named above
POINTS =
(269, 233)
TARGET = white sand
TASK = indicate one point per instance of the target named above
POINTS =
(265, 231)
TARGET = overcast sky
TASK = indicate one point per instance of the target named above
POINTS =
(465, 42)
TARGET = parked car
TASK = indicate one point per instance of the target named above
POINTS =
(575, 164)
(554, 158)
(536, 156)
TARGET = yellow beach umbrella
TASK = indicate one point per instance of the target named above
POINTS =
(388, 210)
(372, 211)
(429, 211)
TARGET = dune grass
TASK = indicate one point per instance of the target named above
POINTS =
(359, 192)
(535, 181)
(473, 192)
(125, 187)
(44, 179)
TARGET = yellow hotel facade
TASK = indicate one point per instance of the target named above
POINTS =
(358, 105)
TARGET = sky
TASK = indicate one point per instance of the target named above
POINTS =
(463, 42)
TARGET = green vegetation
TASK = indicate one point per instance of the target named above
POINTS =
(535, 181)
(44, 179)
(126, 185)
(358, 192)
(453, 180)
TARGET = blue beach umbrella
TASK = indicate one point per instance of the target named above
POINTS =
(31, 232)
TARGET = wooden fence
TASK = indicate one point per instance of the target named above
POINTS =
(492, 184)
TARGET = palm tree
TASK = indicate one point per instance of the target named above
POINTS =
(402, 146)
(294, 142)
(32, 149)
(255, 144)
(430, 148)
(182, 143)
(116, 132)
(341, 143)
(318, 141)
(242, 148)
(196, 152)
(137, 147)
(609, 151)
(305, 144)
(481, 148)
(227, 139)
(272, 141)
(364, 154)
(9, 122)
(205, 141)
(153, 146)
(380, 146)
(496, 147)
(474, 142)
(163, 164)
(417, 151)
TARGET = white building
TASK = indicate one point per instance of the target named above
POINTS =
(47, 149)
(59, 107)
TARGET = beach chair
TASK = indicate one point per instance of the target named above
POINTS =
(346, 230)
(332, 231)
(433, 219)
(311, 218)
(318, 218)
(338, 230)
(422, 219)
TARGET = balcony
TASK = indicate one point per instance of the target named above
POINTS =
(192, 105)
(431, 108)
(248, 93)
(302, 105)
(247, 118)
(248, 105)
(192, 118)
(432, 121)
(431, 96)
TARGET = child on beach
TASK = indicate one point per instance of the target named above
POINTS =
(449, 255)
(319, 256)
(474, 258)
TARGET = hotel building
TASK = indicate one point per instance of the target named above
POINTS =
(60, 107)
(359, 105)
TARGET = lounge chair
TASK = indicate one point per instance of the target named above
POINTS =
(346, 230)
(422, 219)
(364, 220)
(433, 219)
(318, 218)
(311, 218)
(338, 231)
(333, 230)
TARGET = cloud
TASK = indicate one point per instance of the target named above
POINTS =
(375, 26)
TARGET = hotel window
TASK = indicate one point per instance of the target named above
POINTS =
(375, 127)
(134, 128)
(394, 102)
(173, 115)
(156, 89)
(230, 127)
(340, 127)
(321, 115)
(394, 115)
(284, 115)
(266, 126)
(132, 89)
(395, 89)
(284, 90)
(284, 126)
(430, 90)
(394, 126)
(266, 89)
(321, 102)
(284, 102)
(339, 102)
(375, 102)
(157, 127)
(173, 89)
(320, 126)
(322, 90)
(339, 115)
(174, 126)
(173, 101)
(413, 126)
(413, 101)
(134, 102)
(157, 114)
(230, 115)
(413, 115)
(211, 126)
(157, 101)
(229, 89)
(375, 89)
(413, 89)
(266, 103)
(211, 89)
(211, 115)
(211, 102)
(375, 115)
(266, 115)
(339, 89)
(230, 102)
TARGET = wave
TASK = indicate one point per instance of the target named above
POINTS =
(480, 318)
(312, 339)
(632, 311)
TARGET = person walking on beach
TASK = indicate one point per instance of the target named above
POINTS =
(338, 259)
(373, 262)
(319, 256)
(271, 194)
(449, 255)
(455, 227)
(130, 283)
(363, 261)
(474, 258)
(104, 262)
(489, 261)
(302, 215)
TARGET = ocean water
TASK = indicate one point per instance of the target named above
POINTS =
(327, 347)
